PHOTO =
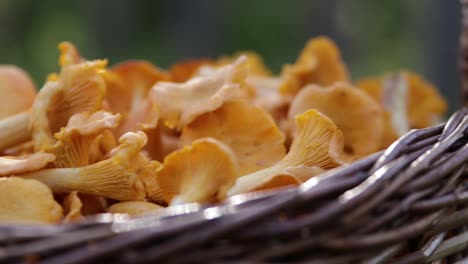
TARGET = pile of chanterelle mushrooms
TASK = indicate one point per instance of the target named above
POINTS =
(134, 138)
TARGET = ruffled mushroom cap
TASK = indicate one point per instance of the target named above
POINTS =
(248, 131)
(128, 86)
(101, 146)
(72, 207)
(201, 172)
(317, 146)
(353, 111)
(268, 97)
(69, 54)
(254, 61)
(74, 142)
(319, 63)
(115, 177)
(16, 165)
(184, 70)
(134, 208)
(25, 201)
(17, 91)
(372, 87)
(424, 104)
(77, 205)
(132, 101)
(180, 103)
(80, 88)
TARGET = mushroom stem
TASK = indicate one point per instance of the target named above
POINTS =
(14, 130)
(104, 178)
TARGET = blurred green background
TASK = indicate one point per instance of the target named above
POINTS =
(374, 36)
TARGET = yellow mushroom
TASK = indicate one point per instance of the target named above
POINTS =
(201, 172)
(254, 62)
(268, 97)
(353, 111)
(77, 206)
(317, 146)
(16, 165)
(73, 144)
(69, 55)
(72, 207)
(424, 104)
(128, 85)
(184, 70)
(101, 146)
(27, 201)
(134, 208)
(115, 177)
(79, 88)
(180, 103)
(22, 149)
(319, 63)
(17, 91)
(393, 99)
(148, 174)
(248, 131)
(15, 130)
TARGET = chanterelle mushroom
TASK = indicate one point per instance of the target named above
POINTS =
(424, 104)
(17, 91)
(114, 178)
(319, 63)
(74, 142)
(27, 201)
(16, 165)
(355, 113)
(180, 103)
(201, 172)
(247, 129)
(317, 146)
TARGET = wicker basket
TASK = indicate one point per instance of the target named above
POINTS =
(408, 204)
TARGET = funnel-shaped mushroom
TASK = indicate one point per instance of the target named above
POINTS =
(353, 111)
(114, 178)
(101, 146)
(184, 70)
(128, 85)
(268, 97)
(317, 146)
(254, 62)
(72, 207)
(74, 142)
(201, 172)
(17, 91)
(27, 202)
(134, 208)
(247, 129)
(180, 103)
(79, 88)
(393, 98)
(424, 104)
(319, 63)
(132, 100)
(15, 165)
